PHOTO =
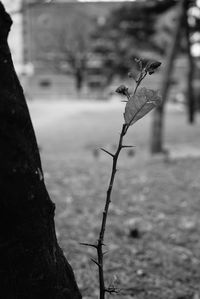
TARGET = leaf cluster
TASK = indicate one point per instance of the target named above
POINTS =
(141, 101)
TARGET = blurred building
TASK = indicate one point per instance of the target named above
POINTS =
(52, 31)
(15, 36)
(42, 30)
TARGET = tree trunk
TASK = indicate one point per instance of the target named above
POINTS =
(190, 75)
(32, 265)
(157, 137)
(79, 79)
(158, 122)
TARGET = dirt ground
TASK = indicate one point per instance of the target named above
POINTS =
(153, 228)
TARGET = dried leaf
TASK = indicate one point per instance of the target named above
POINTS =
(140, 104)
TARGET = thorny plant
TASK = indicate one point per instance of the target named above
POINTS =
(138, 104)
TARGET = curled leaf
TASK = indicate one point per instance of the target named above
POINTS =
(151, 66)
(140, 104)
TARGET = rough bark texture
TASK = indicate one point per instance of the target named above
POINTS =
(32, 265)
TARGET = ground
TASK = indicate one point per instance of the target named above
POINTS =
(153, 228)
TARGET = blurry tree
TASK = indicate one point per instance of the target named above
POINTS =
(191, 67)
(139, 26)
(158, 119)
(72, 51)
(32, 263)
(182, 27)
(69, 51)
(126, 31)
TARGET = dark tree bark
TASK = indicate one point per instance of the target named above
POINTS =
(158, 117)
(32, 265)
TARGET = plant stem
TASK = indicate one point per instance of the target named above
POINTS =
(100, 243)
(141, 77)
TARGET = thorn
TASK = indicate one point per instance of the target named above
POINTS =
(91, 245)
(94, 261)
(106, 252)
(124, 101)
(107, 152)
(128, 146)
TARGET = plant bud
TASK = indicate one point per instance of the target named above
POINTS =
(122, 89)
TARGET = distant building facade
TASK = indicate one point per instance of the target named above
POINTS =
(47, 27)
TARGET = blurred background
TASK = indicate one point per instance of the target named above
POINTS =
(64, 47)
(70, 57)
